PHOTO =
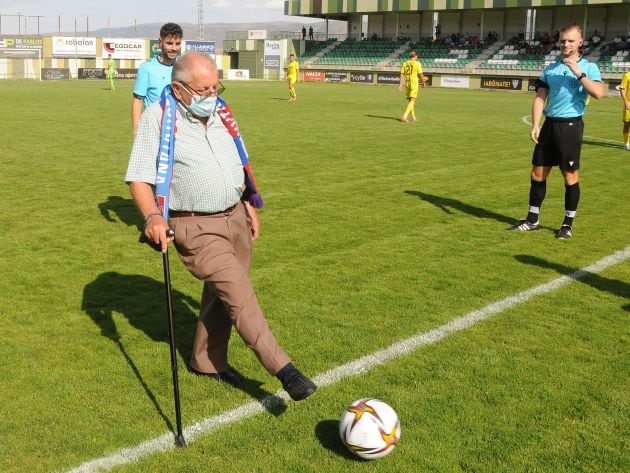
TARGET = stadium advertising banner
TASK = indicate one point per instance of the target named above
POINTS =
(99, 73)
(238, 74)
(123, 48)
(206, 47)
(72, 46)
(388, 78)
(91, 73)
(154, 48)
(273, 47)
(11, 46)
(55, 73)
(502, 83)
(335, 76)
(13, 42)
(257, 34)
(313, 76)
(18, 53)
(272, 62)
(394, 78)
(362, 77)
(613, 88)
(457, 82)
(531, 85)
(272, 54)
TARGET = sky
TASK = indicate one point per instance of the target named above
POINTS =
(122, 13)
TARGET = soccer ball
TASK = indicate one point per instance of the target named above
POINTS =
(369, 428)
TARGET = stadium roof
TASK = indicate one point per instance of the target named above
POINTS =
(339, 9)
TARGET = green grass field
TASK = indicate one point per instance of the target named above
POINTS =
(373, 231)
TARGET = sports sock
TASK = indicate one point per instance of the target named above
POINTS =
(410, 106)
(537, 192)
(626, 137)
(571, 199)
(284, 371)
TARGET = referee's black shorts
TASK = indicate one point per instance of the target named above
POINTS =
(559, 143)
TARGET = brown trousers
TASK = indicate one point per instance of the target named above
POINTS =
(217, 250)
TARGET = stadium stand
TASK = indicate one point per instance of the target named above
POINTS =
(359, 53)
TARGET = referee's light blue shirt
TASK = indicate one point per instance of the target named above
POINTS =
(567, 97)
(153, 76)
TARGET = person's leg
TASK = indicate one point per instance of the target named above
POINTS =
(571, 196)
(210, 347)
(217, 250)
(537, 191)
(411, 102)
(570, 148)
(626, 134)
(291, 90)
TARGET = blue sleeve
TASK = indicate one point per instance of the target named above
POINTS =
(141, 87)
(593, 72)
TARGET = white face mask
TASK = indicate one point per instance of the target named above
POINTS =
(202, 106)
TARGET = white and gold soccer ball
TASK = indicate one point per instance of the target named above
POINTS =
(369, 428)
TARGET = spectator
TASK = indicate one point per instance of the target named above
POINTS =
(310, 33)
(303, 32)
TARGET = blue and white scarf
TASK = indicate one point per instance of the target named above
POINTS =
(166, 153)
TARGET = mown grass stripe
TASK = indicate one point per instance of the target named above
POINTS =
(356, 367)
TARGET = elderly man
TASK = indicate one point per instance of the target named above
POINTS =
(201, 159)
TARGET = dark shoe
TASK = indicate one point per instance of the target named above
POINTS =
(564, 233)
(524, 226)
(227, 377)
(296, 384)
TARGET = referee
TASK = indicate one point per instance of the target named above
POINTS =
(565, 86)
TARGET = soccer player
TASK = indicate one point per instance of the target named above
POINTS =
(155, 74)
(410, 72)
(625, 95)
(561, 93)
(111, 71)
(292, 76)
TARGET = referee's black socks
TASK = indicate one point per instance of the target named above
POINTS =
(537, 192)
(571, 199)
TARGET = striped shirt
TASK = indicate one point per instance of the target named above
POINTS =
(208, 174)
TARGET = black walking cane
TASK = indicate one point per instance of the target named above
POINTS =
(179, 437)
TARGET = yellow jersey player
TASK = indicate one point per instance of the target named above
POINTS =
(292, 76)
(624, 90)
(410, 76)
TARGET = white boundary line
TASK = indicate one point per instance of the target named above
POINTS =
(362, 365)
(527, 120)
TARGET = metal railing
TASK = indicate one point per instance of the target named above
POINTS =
(278, 35)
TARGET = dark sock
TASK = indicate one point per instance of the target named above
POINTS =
(571, 199)
(537, 192)
(284, 371)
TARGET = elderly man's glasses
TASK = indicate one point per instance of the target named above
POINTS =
(211, 92)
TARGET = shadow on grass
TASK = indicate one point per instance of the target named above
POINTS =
(383, 117)
(613, 286)
(123, 208)
(603, 144)
(142, 301)
(327, 432)
(445, 204)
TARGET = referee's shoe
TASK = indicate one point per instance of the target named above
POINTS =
(564, 233)
(524, 226)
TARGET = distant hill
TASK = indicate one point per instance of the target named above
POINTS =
(212, 31)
